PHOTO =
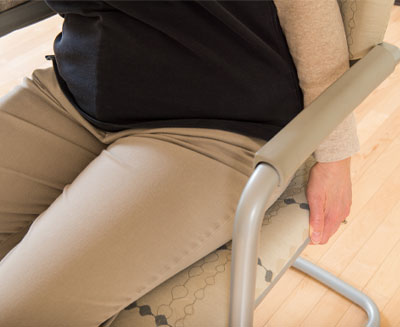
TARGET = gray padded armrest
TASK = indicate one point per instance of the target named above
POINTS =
(289, 148)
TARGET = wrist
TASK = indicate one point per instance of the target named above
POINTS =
(339, 163)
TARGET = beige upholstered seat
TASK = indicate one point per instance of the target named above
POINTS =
(191, 297)
(365, 23)
(199, 295)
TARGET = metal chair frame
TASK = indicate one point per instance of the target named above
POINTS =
(269, 172)
(280, 158)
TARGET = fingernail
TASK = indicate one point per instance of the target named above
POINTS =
(316, 237)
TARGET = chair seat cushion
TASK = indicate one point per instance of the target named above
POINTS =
(198, 296)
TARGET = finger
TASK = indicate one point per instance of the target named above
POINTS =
(329, 230)
(316, 204)
(332, 223)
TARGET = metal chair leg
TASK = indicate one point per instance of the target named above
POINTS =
(249, 215)
(343, 288)
(246, 231)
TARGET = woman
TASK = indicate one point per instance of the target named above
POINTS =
(124, 162)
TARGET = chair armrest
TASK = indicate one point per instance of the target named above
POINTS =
(289, 148)
(24, 14)
(278, 160)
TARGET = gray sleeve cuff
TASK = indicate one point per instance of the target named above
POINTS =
(342, 143)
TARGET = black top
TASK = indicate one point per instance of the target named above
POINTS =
(212, 64)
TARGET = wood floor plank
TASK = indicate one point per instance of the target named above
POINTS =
(371, 221)
(371, 149)
(376, 144)
(364, 252)
(23, 51)
(364, 190)
(368, 177)
(382, 286)
(390, 314)
(276, 296)
(369, 258)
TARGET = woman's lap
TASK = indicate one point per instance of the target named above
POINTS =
(41, 150)
(114, 214)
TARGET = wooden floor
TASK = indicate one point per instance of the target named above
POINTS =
(364, 252)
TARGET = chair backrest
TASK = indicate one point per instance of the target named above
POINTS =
(365, 23)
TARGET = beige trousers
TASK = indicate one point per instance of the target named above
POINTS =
(91, 220)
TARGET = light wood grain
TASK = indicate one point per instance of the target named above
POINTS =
(23, 51)
(365, 252)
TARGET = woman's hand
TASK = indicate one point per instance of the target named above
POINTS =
(329, 196)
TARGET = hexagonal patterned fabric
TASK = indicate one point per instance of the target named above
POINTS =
(198, 296)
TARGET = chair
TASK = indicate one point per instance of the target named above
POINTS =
(224, 287)
(16, 14)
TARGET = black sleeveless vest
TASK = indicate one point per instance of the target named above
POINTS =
(212, 64)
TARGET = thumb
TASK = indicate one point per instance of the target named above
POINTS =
(317, 217)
